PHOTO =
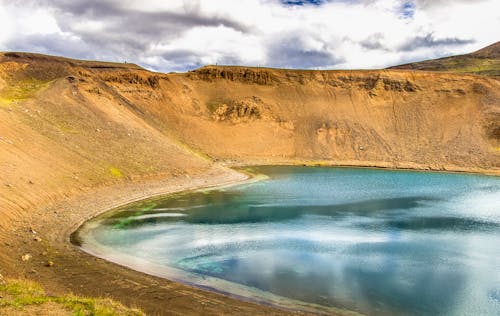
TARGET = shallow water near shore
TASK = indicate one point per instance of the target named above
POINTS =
(378, 242)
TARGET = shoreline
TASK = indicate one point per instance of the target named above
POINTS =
(380, 165)
(246, 178)
(81, 273)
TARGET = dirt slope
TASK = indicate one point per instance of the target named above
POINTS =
(70, 127)
(381, 118)
(61, 134)
(485, 61)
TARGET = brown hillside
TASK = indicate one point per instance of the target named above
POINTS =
(485, 61)
(492, 51)
(65, 129)
(69, 125)
(382, 118)
(73, 128)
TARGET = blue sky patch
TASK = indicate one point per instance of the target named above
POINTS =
(302, 2)
(408, 9)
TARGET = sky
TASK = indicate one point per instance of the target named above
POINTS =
(180, 35)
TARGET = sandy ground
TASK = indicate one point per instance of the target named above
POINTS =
(80, 273)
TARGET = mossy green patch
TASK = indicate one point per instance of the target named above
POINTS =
(22, 90)
(25, 288)
(317, 163)
(466, 64)
(21, 294)
(115, 172)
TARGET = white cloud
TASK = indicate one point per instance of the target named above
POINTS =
(5, 26)
(217, 42)
(178, 35)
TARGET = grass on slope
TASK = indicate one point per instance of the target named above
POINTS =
(485, 61)
(22, 90)
(470, 65)
(22, 297)
(465, 65)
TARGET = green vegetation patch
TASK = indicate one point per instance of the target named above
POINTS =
(115, 172)
(459, 64)
(22, 90)
(22, 294)
(474, 66)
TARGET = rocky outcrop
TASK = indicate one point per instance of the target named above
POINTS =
(152, 81)
(236, 111)
(241, 74)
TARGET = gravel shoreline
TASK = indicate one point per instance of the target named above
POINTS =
(44, 234)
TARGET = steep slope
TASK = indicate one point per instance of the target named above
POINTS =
(61, 134)
(75, 128)
(68, 125)
(377, 118)
(118, 121)
(485, 61)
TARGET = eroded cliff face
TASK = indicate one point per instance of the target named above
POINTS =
(68, 125)
(385, 118)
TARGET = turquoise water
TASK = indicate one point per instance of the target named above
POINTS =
(373, 241)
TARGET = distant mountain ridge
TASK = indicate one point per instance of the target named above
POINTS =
(485, 61)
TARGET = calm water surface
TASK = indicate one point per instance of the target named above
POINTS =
(372, 241)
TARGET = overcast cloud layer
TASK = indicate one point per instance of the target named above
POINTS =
(178, 35)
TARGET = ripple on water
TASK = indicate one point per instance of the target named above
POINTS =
(374, 241)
